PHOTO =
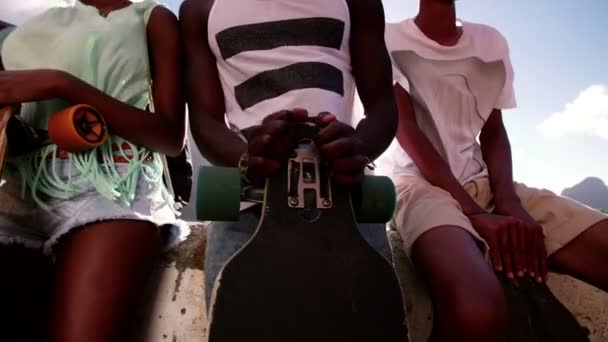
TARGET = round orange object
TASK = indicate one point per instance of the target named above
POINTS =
(77, 128)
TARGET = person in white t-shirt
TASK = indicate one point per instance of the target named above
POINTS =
(456, 195)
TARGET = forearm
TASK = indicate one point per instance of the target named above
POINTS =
(216, 142)
(378, 128)
(151, 130)
(497, 156)
(433, 168)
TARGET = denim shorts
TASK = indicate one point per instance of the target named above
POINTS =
(24, 222)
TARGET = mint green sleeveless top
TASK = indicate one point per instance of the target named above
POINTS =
(111, 54)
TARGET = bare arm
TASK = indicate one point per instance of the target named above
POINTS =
(215, 140)
(419, 148)
(497, 155)
(163, 131)
(372, 71)
(527, 243)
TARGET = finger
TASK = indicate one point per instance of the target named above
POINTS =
(276, 127)
(296, 115)
(259, 145)
(333, 131)
(531, 243)
(272, 140)
(524, 251)
(530, 252)
(495, 255)
(542, 256)
(505, 251)
(348, 180)
(325, 118)
(514, 232)
(355, 163)
(337, 149)
(259, 168)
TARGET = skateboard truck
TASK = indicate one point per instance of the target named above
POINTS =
(308, 181)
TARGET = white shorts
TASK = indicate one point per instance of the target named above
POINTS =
(24, 222)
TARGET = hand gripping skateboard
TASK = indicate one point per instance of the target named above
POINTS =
(306, 274)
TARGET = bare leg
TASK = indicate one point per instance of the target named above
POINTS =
(468, 300)
(24, 293)
(102, 270)
(585, 257)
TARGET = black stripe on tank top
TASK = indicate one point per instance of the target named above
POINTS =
(272, 83)
(326, 32)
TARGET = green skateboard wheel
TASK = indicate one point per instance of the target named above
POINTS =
(375, 201)
(218, 193)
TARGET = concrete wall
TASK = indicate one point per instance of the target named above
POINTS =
(174, 307)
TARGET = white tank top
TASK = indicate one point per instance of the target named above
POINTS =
(282, 54)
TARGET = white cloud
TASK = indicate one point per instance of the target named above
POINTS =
(17, 11)
(586, 115)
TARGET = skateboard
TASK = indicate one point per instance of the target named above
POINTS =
(306, 274)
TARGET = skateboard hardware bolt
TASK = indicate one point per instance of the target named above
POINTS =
(326, 203)
(293, 201)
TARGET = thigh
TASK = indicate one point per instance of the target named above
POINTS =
(422, 207)
(102, 269)
(585, 257)
(224, 239)
(562, 219)
(454, 267)
(24, 293)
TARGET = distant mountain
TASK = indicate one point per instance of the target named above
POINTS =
(591, 191)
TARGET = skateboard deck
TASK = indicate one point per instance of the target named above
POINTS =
(307, 274)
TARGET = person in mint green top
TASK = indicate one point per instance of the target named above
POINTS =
(97, 213)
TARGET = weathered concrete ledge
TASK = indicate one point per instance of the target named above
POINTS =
(174, 305)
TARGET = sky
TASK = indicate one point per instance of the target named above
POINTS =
(559, 51)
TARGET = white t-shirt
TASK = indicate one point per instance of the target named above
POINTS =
(453, 91)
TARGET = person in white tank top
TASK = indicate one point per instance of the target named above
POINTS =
(455, 194)
(255, 66)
